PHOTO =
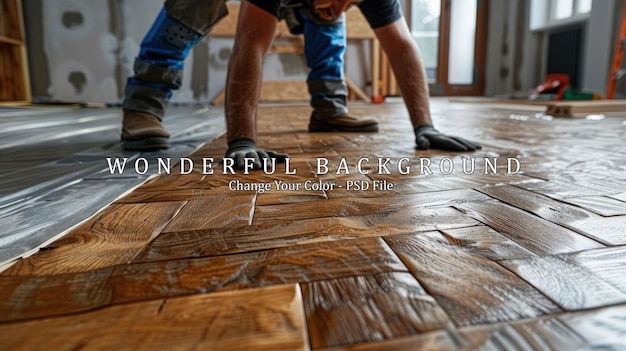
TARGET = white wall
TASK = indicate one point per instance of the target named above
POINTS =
(80, 57)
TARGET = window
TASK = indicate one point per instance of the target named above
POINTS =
(545, 14)
(452, 37)
(425, 16)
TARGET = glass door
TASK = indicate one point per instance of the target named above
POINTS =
(451, 35)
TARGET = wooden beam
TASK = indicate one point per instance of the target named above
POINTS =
(356, 90)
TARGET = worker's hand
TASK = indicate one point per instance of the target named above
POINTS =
(427, 136)
(240, 149)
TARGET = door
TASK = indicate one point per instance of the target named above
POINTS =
(452, 36)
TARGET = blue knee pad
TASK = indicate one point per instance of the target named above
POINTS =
(159, 65)
(168, 42)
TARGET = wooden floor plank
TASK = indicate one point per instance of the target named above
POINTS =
(368, 308)
(363, 206)
(222, 241)
(114, 236)
(469, 286)
(229, 211)
(548, 333)
(561, 190)
(603, 327)
(611, 231)
(608, 231)
(531, 232)
(621, 196)
(542, 206)
(484, 241)
(588, 279)
(30, 297)
(602, 205)
(269, 318)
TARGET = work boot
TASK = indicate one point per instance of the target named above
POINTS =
(343, 123)
(143, 131)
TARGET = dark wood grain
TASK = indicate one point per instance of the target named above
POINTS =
(254, 319)
(368, 308)
(279, 234)
(114, 236)
(469, 286)
(531, 232)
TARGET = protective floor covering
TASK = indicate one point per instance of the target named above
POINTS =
(54, 173)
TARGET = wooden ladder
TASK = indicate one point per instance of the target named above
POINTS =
(617, 72)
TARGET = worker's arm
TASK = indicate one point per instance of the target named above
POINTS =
(255, 33)
(406, 63)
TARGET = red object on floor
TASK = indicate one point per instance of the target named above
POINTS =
(378, 99)
(555, 83)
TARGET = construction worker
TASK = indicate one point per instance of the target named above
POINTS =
(176, 30)
(255, 31)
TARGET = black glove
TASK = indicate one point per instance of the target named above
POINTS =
(239, 149)
(427, 136)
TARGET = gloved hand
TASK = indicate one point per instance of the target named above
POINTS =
(427, 136)
(239, 149)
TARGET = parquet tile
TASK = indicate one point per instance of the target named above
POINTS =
(269, 318)
(477, 296)
(368, 308)
(228, 240)
(581, 280)
(29, 297)
(531, 232)
(490, 260)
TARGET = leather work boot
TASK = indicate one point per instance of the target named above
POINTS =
(343, 123)
(143, 131)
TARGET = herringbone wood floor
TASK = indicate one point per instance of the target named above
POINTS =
(527, 261)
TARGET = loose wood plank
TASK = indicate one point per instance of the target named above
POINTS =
(583, 280)
(531, 232)
(112, 237)
(254, 319)
(471, 288)
(221, 241)
(30, 297)
(368, 308)
(363, 206)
